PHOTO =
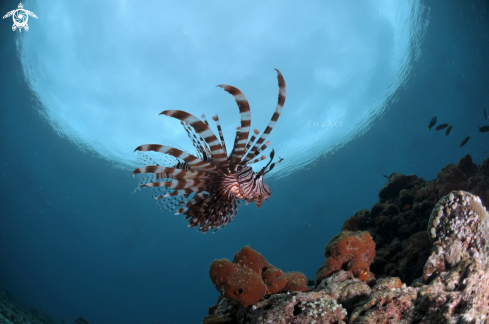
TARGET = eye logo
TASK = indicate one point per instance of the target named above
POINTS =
(20, 17)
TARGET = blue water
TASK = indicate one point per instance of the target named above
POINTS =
(74, 241)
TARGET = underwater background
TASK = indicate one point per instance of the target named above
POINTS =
(84, 86)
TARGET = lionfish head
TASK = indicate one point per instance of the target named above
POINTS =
(262, 193)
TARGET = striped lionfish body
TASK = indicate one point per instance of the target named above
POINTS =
(207, 187)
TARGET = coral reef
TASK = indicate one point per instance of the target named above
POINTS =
(352, 251)
(399, 220)
(431, 260)
(250, 277)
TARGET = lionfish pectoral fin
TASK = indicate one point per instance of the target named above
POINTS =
(194, 163)
(173, 173)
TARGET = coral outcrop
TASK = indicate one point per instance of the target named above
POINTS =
(431, 260)
(237, 282)
(398, 222)
(250, 277)
(352, 251)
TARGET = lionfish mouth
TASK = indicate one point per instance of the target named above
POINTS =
(207, 187)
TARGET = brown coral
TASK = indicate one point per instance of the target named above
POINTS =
(250, 258)
(250, 277)
(454, 286)
(237, 282)
(296, 281)
(275, 280)
(352, 251)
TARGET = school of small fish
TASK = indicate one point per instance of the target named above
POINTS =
(482, 129)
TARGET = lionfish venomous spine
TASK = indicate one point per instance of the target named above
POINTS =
(207, 188)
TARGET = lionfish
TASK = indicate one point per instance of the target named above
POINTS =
(207, 188)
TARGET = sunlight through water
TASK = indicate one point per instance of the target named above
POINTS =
(102, 72)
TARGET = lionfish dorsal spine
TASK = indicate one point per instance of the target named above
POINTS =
(262, 148)
(263, 157)
(217, 152)
(282, 92)
(232, 156)
(204, 120)
(245, 116)
(252, 139)
(219, 129)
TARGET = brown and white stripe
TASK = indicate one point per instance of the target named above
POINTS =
(245, 115)
(219, 129)
(193, 162)
(282, 92)
(218, 154)
(173, 173)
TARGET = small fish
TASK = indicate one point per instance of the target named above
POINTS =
(432, 123)
(485, 152)
(441, 127)
(448, 130)
(485, 116)
(465, 141)
(484, 129)
(386, 176)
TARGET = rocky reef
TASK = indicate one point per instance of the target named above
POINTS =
(428, 244)
(12, 312)
(352, 251)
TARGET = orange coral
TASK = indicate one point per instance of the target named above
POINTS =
(275, 280)
(237, 282)
(296, 281)
(351, 251)
(250, 277)
(250, 258)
